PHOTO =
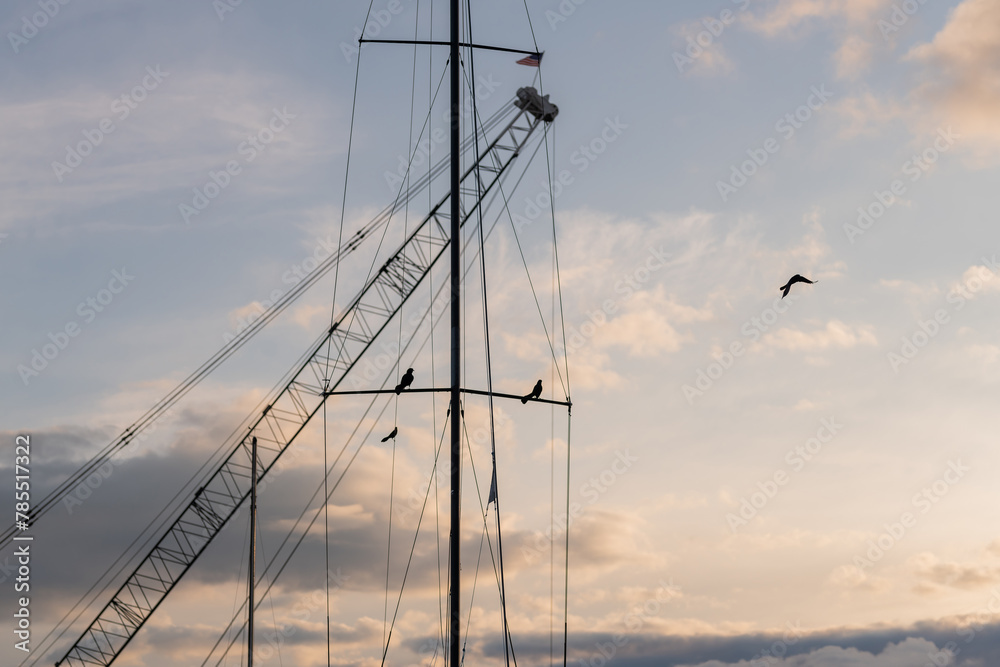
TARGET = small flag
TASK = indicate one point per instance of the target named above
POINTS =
(534, 60)
(493, 488)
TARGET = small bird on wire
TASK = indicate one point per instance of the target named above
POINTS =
(535, 392)
(791, 281)
(392, 435)
(406, 381)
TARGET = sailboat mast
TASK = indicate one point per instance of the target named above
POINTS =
(253, 551)
(456, 350)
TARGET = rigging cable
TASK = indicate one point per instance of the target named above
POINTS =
(333, 311)
(507, 647)
(569, 411)
(413, 547)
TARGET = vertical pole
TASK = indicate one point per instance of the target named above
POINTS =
(456, 358)
(253, 549)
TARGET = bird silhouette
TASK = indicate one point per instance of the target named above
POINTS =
(406, 381)
(392, 435)
(535, 392)
(791, 281)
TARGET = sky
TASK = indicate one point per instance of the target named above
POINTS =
(753, 480)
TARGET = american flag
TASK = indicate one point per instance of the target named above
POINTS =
(534, 60)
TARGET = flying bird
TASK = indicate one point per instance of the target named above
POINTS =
(406, 381)
(392, 435)
(535, 393)
(791, 281)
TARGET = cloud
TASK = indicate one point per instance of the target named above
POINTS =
(190, 124)
(866, 114)
(790, 646)
(646, 328)
(907, 653)
(712, 60)
(978, 279)
(960, 71)
(934, 574)
(835, 334)
(853, 578)
(852, 21)
(984, 354)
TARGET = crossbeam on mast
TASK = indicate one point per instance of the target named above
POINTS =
(428, 390)
(422, 42)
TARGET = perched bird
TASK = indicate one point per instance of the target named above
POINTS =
(392, 435)
(791, 281)
(535, 392)
(406, 381)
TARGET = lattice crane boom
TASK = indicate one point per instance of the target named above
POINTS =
(278, 425)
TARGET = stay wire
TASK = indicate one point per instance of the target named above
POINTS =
(347, 169)
(569, 411)
(486, 333)
(430, 286)
(534, 294)
(416, 534)
(326, 534)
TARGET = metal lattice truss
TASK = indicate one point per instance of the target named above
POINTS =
(295, 405)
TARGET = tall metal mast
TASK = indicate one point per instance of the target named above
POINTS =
(456, 355)
(253, 550)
